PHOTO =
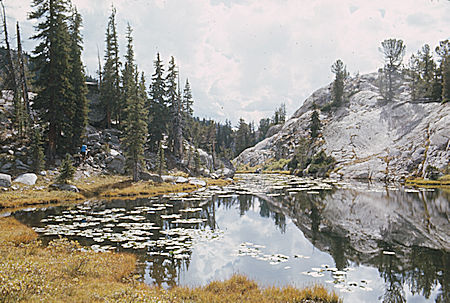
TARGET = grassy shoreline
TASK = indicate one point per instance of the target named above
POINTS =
(101, 186)
(64, 271)
(443, 182)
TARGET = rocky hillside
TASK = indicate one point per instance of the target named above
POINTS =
(369, 137)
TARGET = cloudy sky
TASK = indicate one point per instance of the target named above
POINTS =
(244, 58)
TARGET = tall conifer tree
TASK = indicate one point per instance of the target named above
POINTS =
(51, 62)
(158, 115)
(443, 51)
(393, 51)
(175, 109)
(78, 84)
(110, 84)
(188, 111)
(135, 131)
(341, 74)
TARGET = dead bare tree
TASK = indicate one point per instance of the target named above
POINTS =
(23, 77)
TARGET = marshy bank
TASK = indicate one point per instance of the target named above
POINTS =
(64, 271)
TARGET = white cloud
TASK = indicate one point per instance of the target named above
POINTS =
(245, 57)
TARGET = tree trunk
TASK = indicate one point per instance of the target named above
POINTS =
(51, 142)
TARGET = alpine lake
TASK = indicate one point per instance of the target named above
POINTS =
(368, 242)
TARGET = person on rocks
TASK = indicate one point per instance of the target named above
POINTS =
(84, 152)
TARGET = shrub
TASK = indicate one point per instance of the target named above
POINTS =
(66, 171)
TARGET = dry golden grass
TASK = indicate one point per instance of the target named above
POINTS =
(443, 182)
(29, 197)
(13, 232)
(240, 289)
(104, 186)
(65, 272)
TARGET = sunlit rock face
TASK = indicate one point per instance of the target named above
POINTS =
(369, 137)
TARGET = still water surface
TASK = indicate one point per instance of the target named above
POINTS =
(278, 231)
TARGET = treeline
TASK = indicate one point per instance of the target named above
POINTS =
(152, 117)
(226, 141)
(427, 73)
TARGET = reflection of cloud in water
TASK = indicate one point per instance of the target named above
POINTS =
(192, 239)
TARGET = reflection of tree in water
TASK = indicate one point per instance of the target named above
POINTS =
(421, 269)
(278, 217)
(245, 203)
(391, 271)
(165, 271)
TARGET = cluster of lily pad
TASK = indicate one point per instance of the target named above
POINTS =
(167, 226)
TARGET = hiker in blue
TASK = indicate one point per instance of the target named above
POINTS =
(84, 152)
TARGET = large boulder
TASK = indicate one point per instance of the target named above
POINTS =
(28, 179)
(225, 173)
(116, 164)
(146, 176)
(5, 180)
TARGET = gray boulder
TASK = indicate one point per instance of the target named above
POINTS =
(181, 180)
(6, 166)
(65, 187)
(5, 180)
(197, 182)
(169, 179)
(117, 164)
(225, 173)
(146, 176)
(28, 179)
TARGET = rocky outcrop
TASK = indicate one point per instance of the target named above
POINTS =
(368, 137)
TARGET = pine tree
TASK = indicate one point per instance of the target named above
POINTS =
(264, 125)
(174, 105)
(393, 51)
(314, 125)
(427, 67)
(158, 114)
(110, 84)
(52, 67)
(188, 102)
(279, 116)
(78, 120)
(36, 151)
(242, 136)
(66, 171)
(339, 70)
(136, 129)
(161, 165)
(443, 51)
(414, 76)
(188, 111)
(135, 132)
(129, 85)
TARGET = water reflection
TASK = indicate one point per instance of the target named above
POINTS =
(283, 231)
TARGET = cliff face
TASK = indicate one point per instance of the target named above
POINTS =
(368, 137)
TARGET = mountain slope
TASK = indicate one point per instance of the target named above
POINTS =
(368, 137)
